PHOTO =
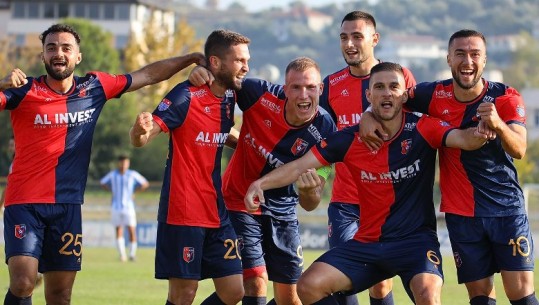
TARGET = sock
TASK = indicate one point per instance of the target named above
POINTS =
(120, 245)
(247, 300)
(169, 303)
(343, 299)
(10, 299)
(272, 302)
(482, 300)
(213, 299)
(133, 249)
(529, 300)
(387, 300)
(329, 300)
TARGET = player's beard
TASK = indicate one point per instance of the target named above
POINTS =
(59, 75)
(354, 62)
(227, 79)
(474, 81)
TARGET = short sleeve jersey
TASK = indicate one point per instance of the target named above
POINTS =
(198, 123)
(344, 98)
(266, 142)
(395, 182)
(53, 135)
(482, 182)
(123, 186)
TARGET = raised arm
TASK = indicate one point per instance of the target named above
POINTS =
(512, 136)
(144, 130)
(164, 69)
(15, 79)
(284, 175)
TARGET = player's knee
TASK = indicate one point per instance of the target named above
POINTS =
(58, 296)
(233, 295)
(309, 286)
(380, 290)
(255, 281)
(427, 294)
(22, 286)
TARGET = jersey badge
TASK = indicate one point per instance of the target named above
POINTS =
(299, 146)
(165, 103)
(20, 231)
(405, 146)
(188, 254)
(520, 111)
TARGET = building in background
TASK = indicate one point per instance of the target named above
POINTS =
(23, 21)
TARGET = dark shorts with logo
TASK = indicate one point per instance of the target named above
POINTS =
(195, 252)
(343, 222)
(52, 233)
(483, 246)
(274, 243)
(367, 264)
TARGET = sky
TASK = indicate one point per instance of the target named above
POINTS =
(257, 5)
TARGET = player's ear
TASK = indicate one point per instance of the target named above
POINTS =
(79, 58)
(214, 61)
(42, 57)
(368, 95)
(321, 88)
(405, 96)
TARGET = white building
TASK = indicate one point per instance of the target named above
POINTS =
(410, 50)
(27, 19)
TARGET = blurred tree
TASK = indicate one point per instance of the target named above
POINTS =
(524, 70)
(151, 46)
(145, 49)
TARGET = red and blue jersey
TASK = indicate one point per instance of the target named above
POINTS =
(198, 123)
(482, 182)
(344, 98)
(53, 135)
(266, 142)
(395, 182)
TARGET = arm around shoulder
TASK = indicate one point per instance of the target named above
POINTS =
(162, 70)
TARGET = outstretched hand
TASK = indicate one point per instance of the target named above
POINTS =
(15, 79)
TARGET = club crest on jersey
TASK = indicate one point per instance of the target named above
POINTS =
(299, 146)
(405, 146)
(165, 103)
(458, 259)
(188, 254)
(20, 231)
(82, 92)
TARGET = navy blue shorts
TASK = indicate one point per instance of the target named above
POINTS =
(367, 264)
(483, 246)
(195, 252)
(266, 241)
(52, 233)
(343, 222)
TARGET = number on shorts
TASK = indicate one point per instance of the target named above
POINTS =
(299, 252)
(433, 257)
(232, 245)
(518, 248)
(69, 239)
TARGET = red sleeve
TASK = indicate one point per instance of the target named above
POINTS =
(113, 85)
(408, 78)
(433, 130)
(3, 101)
(510, 107)
(161, 124)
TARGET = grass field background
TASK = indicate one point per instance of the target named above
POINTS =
(104, 280)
